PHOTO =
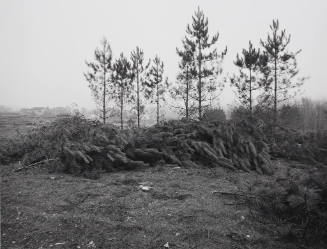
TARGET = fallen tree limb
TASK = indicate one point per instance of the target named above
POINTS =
(35, 164)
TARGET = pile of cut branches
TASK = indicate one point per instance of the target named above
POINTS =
(75, 143)
(233, 146)
(79, 145)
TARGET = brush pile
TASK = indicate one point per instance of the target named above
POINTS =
(80, 145)
(233, 146)
(75, 143)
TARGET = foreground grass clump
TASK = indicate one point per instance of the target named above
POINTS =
(298, 198)
(77, 145)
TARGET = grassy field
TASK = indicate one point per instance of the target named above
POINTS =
(13, 124)
(182, 209)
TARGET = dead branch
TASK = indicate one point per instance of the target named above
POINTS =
(35, 164)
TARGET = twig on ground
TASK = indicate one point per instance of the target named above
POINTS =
(35, 164)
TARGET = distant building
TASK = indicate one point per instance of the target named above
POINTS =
(45, 111)
(36, 111)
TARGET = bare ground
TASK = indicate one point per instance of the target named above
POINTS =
(183, 208)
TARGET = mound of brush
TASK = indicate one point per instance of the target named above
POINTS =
(213, 144)
(79, 145)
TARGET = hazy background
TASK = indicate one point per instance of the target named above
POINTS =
(43, 44)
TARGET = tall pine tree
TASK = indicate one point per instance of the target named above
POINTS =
(122, 78)
(281, 66)
(156, 85)
(183, 88)
(139, 70)
(207, 59)
(247, 80)
(99, 77)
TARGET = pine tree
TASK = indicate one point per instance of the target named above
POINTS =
(184, 86)
(122, 78)
(247, 79)
(139, 70)
(281, 68)
(156, 86)
(99, 77)
(207, 59)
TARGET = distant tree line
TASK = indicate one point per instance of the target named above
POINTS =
(266, 76)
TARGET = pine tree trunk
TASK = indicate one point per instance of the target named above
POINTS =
(275, 95)
(138, 96)
(200, 85)
(250, 95)
(104, 89)
(121, 106)
(104, 98)
(187, 91)
(157, 103)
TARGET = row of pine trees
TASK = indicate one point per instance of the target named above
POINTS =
(125, 80)
(266, 76)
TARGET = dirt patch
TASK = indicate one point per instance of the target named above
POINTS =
(60, 211)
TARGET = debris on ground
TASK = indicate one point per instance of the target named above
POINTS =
(145, 188)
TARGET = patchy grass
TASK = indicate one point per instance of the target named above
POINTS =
(61, 211)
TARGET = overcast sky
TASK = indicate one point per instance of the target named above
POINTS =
(44, 43)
